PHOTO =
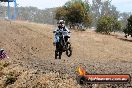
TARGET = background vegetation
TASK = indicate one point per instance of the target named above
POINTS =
(128, 29)
(77, 13)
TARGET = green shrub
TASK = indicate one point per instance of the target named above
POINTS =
(107, 24)
(11, 77)
(128, 29)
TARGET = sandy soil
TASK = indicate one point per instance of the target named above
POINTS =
(31, 52)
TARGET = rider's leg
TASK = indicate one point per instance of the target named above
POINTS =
(67, 38)
(1, 52)
(65, 42)
(56, 39)
(57, 42)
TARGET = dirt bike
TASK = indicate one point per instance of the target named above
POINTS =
(62, 46)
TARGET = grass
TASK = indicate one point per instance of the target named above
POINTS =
(3, 65)
(99, 53)
(11, 77)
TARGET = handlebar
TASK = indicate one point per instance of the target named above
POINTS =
(61, 32)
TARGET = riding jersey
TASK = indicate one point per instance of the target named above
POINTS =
(64, 31)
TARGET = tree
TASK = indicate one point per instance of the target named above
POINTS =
(107, 24)
(74, 12)
(100, 8)
(60, 13)
(3, 11)
(128, 29)
(87, 20)
(123, 19)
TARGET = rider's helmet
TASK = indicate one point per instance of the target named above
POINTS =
(61, 24)
(1, 51)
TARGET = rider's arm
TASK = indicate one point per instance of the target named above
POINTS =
(67, 30)
(56, 31)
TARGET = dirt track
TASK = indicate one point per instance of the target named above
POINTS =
(30, 46)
